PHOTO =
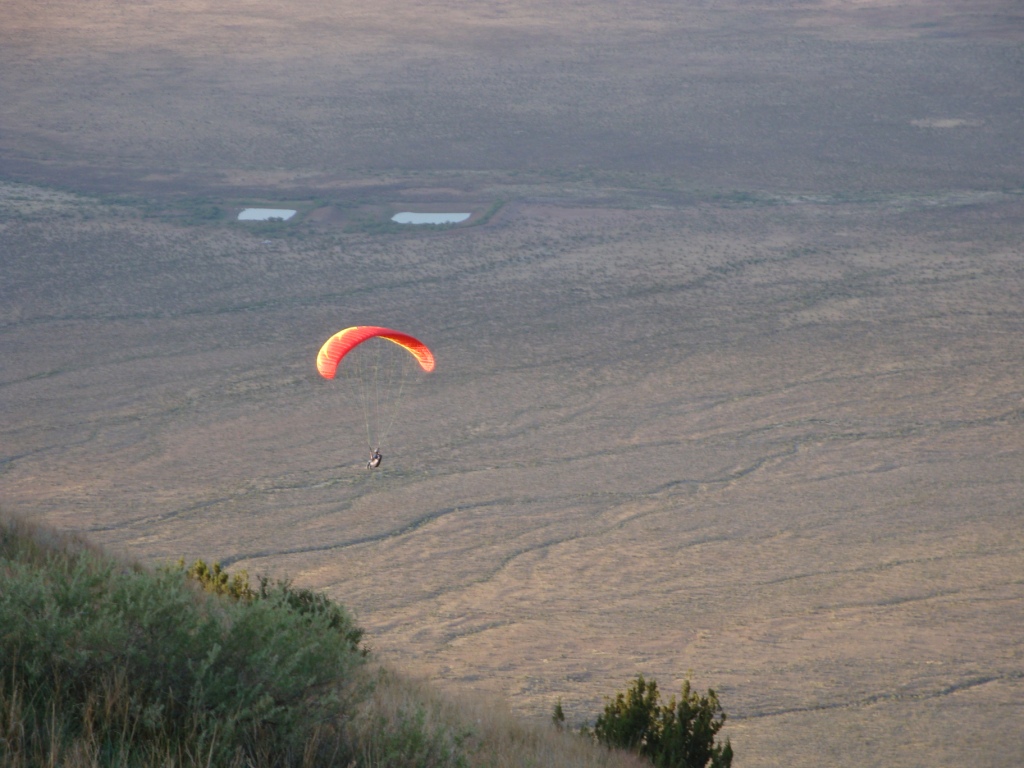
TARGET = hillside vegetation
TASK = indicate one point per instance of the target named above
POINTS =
(105, 662)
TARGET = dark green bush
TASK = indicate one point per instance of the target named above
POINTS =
(631, 721)
(558, 716)
(681, 734)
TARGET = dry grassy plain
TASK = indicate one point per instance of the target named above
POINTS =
(731, 383)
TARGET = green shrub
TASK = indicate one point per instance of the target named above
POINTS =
(688, 731)
(216, 580)
(136, 663)
(558, 716)
(681, 734)
(631, 720)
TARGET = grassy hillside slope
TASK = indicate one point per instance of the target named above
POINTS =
(104, 662)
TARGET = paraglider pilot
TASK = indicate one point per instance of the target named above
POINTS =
(376, 457)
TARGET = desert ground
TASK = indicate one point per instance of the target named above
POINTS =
(729, 357)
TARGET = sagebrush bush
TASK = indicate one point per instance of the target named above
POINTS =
(129, 657)
(215, 580)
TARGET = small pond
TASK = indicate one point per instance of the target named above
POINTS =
(407, 217)
(266, 214)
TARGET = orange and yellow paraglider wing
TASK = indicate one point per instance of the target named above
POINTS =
(416, 348)
(341, 343)
(336, 348)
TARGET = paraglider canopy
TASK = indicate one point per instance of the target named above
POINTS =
(343, 342)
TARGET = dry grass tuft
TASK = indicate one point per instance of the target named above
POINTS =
(482, 728)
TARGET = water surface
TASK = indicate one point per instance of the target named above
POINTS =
(407, 217)
(266, 214)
